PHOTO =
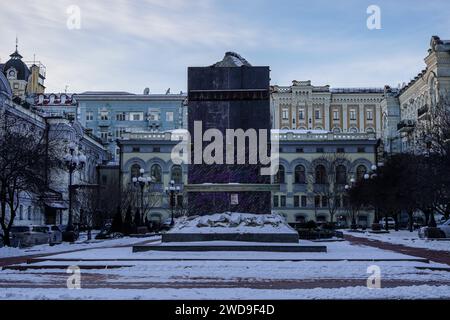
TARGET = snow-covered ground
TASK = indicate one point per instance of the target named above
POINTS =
(356, 293)
(82, 243)
(406, 238)
(227, 275)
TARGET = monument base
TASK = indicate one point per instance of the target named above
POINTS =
(232, 232)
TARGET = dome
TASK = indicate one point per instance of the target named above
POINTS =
(16, 62)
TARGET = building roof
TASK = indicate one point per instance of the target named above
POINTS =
(23, 72)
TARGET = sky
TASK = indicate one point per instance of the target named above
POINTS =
(129, 45)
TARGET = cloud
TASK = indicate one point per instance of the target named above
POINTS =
(128, 45)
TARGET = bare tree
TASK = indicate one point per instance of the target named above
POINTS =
(329, 178)
(25, 156)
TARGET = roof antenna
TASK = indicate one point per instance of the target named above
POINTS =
(17, 42)
(65, 89)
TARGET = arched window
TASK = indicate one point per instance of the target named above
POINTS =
(360, 172)
(135, 171)
(280, 176)
(177, 174)
(156, 173)
(300, 176)
(341, 174)
(353, 130)
(321, 174)
(21, 212)
(29, 212)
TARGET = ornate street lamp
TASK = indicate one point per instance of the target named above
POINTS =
(348, 188)
(74, 161)
(172, 191)
(142, 181)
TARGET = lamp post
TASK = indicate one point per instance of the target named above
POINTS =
(74, 161)
(142, 182)
(348, 187)
(171, 192)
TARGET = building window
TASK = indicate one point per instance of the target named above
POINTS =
(361, 150)
(104, 135)
(89, 116)
(280, 176)
(283, 201)
(136, 150)
(296, 201)
(300, 174)
(153, 116)
(317, 201)
(104, 179)
(169, 116)
(340, 150)
(29, 212)
(136, 116)
(320, 150)
(335, 115)
(104, 115)
(120, 116)
(177, 174)
(156, 149)
(353, 115)
(303, 201)
(341, 174)
(317, 114)
(119, 132)
(285, 114)
(156, 173)
(299, 150)
(321, 173)
(276, 204)
(361, 172)
(301, 114)
(369, 115)
(353, 130)
(324, 202)
(135, 171)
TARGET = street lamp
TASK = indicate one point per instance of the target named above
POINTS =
(142, 181)
(171, 192)
(74, 161)
(348, 187)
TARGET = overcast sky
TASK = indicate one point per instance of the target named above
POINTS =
(129, 45)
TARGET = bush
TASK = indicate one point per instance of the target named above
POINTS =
(376, 227)
(433, 233)
(329, 226)
(308, 234)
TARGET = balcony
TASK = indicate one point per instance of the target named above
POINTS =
(104, 123)
(423, 114)
(406, 125)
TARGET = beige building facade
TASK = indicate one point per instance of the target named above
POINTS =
(307, 107)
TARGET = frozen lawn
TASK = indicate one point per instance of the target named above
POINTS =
(81, 244)
(412, 292)
(406, 238)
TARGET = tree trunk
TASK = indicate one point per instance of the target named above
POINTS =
(396, 221)
(410, 220)
(432, 223)
(6, 239)
(386, 224)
